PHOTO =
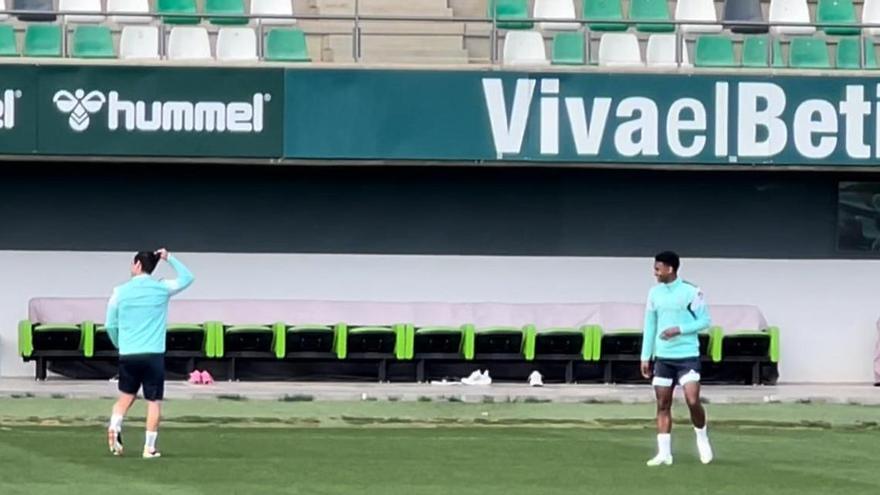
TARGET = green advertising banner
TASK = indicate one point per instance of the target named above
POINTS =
(18, 102)
(587, 117)
(144, 111)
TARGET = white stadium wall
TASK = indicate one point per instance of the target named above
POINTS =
(827, 310)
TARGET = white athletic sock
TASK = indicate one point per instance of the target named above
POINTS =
(150, 440)
(702, 434)
(116, 422)
(664, 444)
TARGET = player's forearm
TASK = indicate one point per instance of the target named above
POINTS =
(702, 322)
(185, 277)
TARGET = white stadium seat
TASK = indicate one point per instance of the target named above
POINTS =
(139, 42)
(189, 43)
(524, 48)
(790, 11)
(661, 51)
(620, 50)
(272, 7)
(138, 6)
(697, 10)
(556, 9)
(871, 15)
(82, 6)
(236, 44)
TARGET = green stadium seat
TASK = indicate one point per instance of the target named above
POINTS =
(568, 49)
(651, 10)
(755, 55)
(499, 341)
(8, 46)
(437, 343)
(714, 51)
(167, 8)
(848, 56)
(605, 10)
(509, 13)
(808, 53)
(225, 7)
(42, 40)
(92, 42)
(286, 45)
(837, 12)
(311, 341)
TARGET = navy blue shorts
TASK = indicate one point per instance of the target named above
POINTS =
(668, 372)
(143, 370)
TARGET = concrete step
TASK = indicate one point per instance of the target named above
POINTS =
(384, 27)
(387, 7)
(384, 42)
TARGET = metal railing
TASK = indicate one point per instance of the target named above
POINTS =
(494, 23)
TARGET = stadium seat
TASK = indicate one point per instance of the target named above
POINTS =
(744, 11)
(225, 8)
(620, 50)
(127, 6)
(139, 43)
(871, 15)
(848, 56)
(755, 52)
(524, 48)
(189, 43)
(286, 45)
(82, 6)
(661, 51)
(568, 345)
(167, 8)
(755, 348)
(651, 10)
(3, 15)
(8, 46)
(509, 13)
(92, 42)
(697, 10)
(808, 53)
(837, 12)
(312, 341)
(259, 341)
(790, 11)
(273, 7)
(430, 343)
(238, 44)
(499, 342)
(42, 40)
(556, 9)
(568, 49)
(605, 10)
(35, 6)
(374, 341)
(714, 51)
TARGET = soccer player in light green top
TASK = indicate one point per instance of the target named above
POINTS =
(676, 312)
(136, 324)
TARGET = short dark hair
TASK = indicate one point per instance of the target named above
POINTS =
(669, 258)
(148, 260)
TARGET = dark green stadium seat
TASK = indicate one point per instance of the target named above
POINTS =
(714, 51)
(568, 49)
(604, 10)
(167, 8)
(286, 45)
(837, 12)
(313, 341)
(755, 54)
(92, 42)
(848, 56)
(651, 10)
(225, 7)
(42, 40)
(501, 342)
(808, 53)
(8, 46)
(509, 13)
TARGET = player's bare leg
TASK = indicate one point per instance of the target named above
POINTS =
(698, 418)
(114, 431)
(664, 426)
(154, 413)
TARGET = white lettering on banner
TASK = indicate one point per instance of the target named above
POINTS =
(7, 108)
(766, 122)
(815, 117)
(168, 116)
(508, 133)
(675, 125)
